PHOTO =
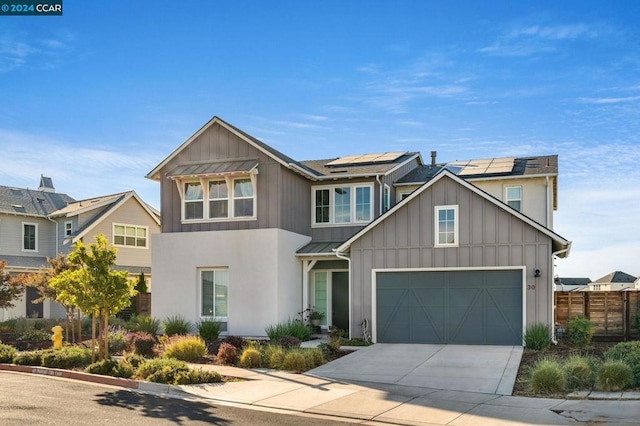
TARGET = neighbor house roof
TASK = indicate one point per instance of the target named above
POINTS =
(616, 277)
(573, 281)
(485, 168)
(561, 246)
(29, 202)
(314, 169)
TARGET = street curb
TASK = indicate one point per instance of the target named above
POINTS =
(76, 375)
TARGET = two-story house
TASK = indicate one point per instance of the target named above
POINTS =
(436, 253)
(37, 224)
(615, 281)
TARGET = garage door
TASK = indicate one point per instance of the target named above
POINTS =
(459, 307)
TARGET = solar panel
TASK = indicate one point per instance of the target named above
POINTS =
(480, 167)
(366, 158)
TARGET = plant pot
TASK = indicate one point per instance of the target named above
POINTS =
(315, 322)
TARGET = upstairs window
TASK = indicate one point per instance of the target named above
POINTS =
(68, 228)
(446, 226)
(226, 198)
(29, 236)
(342, 204)
(130, 235)
(513, 197)
(386, 201)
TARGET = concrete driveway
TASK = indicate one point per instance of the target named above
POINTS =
(469, 368)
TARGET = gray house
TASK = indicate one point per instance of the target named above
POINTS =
(456, 252)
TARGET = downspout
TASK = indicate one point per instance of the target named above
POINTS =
(348, 259)
(549, 204)
(381, 185)
(57, 237)
(554, 340)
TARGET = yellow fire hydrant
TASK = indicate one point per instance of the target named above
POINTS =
(57, 336)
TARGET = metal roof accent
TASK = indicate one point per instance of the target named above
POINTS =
(323, 248)
(214, 168)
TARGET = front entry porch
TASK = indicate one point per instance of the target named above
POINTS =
(326, 290)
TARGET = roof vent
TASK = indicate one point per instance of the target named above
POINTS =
(433, 157)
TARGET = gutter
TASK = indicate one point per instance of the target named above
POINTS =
(348, 259)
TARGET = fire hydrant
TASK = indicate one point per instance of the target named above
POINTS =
(57, 336)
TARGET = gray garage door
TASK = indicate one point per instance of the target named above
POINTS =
(460, 307)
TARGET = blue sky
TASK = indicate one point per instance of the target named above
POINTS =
(98, 97)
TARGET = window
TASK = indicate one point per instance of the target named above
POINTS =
(193, 201)
(68, 228)
(320, 294)
(342, 204)
(130, 235)
(446, 226)
(29, 236)
(227, 198)
(513, 197)
(386, 202)
(214, 287)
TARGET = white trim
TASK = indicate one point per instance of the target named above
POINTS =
(440, 175)
(506, 189)
(136, 227)
(374, 271)
(70, 223)
(200, 270)
(35, 225)
(436, 226)
(352, 204)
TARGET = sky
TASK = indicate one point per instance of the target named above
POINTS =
(98, 97)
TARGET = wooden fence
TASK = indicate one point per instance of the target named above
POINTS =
(613, 312)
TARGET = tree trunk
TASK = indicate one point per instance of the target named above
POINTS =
(79, 326)
(106, 334)
(93, 339)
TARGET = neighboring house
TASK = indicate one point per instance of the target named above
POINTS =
(425, 253)
(37, 224)
(615, 281)
(571, 284)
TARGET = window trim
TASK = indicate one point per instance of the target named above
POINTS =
(68, 230)
(224, 319)
(35, 226)
(352, 204)
(436, 228)
(230, 180)
(136, 227)
(507, 199)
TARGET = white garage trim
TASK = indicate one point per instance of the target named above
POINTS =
(374, 288)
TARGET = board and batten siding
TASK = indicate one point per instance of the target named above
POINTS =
(274, 184)
(488, 237)
(397, 174)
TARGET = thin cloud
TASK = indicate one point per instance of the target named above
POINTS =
(16, 52)
(610, 100)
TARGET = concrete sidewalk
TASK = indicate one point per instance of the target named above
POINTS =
(410, 405)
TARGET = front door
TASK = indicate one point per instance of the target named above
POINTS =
(34, 310)
(340, 300)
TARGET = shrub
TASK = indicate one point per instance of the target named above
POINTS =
(227, 354)
(295, 361)
(34, 334)
(274, 356)
(185, 348)
(176, 324)
(614, 376)
(209, 330)
(161, 370)
(194, 377)
(629, 352)
(141, 343)
(580, 331)
(579, 373)
(8, 326)
(134, 360)
(236, 341)
(67, 357)
(288, 342)
(547, 376)
(7, 353)
(117, 339)
(537, 337)
(111, 367)
(144, 323)
(290, 327)
(315, 357)
(28, 358)
(250, 358)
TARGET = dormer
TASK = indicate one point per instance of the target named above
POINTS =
(46, 184)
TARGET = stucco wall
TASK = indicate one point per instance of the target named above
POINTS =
(264, 275)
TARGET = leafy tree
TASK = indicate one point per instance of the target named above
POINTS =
(94, 286)
(141, 285)
(10, 289)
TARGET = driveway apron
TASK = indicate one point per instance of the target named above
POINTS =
(469, 368)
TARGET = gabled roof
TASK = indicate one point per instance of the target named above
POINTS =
(313, 170)
(546, 165)
(29, 202)
(105, 206)
(573, 281)
(561, 246)
(616, 277)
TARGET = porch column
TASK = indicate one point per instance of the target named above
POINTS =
(307, 265)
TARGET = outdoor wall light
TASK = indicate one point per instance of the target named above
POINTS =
(536, 273)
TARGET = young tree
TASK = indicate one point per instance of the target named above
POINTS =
(94, 286)
(10, 289)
